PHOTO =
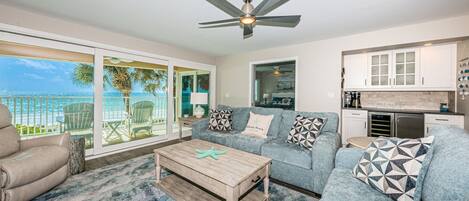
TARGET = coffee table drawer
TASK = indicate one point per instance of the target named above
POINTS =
(252, 180)
(196, 177)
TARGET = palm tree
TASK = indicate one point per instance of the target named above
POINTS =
(122, 79)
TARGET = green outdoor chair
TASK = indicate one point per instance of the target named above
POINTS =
(141, 117)
(78, 120)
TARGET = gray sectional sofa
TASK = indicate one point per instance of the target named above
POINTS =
(447, 177)
(290, 163)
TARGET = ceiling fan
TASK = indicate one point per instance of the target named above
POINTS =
(247, 17)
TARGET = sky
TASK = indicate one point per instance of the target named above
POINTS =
(33, 76)
(21, 76)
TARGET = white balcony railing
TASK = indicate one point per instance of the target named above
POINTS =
(40, 115)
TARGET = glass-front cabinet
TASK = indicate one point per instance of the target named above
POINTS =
(379, 69)
(406, 67)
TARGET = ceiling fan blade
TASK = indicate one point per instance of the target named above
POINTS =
(221, 25)
(247, 31)
(267, 6)
(227, 7)
(220, 21)
(280, 21)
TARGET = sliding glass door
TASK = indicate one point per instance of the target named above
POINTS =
(38, 84)
(134, 103)
(114, 100)
(186, 82)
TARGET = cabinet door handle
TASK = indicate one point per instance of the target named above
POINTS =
(365, 124)
(365, 82)
(355, 114)
(441, 119)
(423, 81)
(427, 130)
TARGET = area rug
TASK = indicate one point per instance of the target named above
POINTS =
(133, 180)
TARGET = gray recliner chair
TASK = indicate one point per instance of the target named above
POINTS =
(30, 167)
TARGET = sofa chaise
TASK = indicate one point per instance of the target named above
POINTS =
(447, 177)
(290, 163)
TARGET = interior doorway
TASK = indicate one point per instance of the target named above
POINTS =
(274, 84)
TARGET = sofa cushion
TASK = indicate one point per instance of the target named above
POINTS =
(342, 186)
(394, 166)
(275, 123)
(288, 153)
(288, 118)
(258, 125)
(32, 164)
(306, 130)
(217, 137)
(248, 143)
(447, 175)
(220, 120)
(240, 116)
(10, 141)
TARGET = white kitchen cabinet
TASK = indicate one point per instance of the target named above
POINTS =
(438, 67)
(354, 124)
(431, 68)
(379, 69)
(406, 68)
(439, 119)
(355, 72)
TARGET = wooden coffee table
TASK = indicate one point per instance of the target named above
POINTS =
(231, 177)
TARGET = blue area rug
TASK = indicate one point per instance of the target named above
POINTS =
(133, 180)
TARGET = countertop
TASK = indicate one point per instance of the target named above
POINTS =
(404, 111)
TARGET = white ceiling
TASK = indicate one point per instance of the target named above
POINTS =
(175, 21)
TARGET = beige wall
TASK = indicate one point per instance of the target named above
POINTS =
(14, 16)
(319, 62)
(463, 105)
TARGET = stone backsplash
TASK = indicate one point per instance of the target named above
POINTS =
(407, 100)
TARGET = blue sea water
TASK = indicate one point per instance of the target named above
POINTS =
(45, 109)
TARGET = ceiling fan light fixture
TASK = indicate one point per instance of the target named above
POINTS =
(248, 19)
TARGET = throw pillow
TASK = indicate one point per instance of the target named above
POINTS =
(220, 120)
(258, 125)
(392, 166)
(305, 131)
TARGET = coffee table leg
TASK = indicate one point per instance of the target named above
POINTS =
(266, 182)
(158, 168)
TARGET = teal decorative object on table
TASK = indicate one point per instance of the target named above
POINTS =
(212, 152)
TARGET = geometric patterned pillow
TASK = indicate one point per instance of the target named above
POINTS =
(305, 131)
(392, 166)
(220, 120)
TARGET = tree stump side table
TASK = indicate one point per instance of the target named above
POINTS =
(76, 163)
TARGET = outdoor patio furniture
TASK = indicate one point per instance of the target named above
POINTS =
(78, 120)
(141, 117)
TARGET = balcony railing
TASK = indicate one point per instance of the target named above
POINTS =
(43, 115)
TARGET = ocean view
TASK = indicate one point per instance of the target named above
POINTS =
(47, 109)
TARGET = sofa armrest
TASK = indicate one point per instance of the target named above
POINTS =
(199, 127)
(323, 158)
(348, 157)
(60, 140)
